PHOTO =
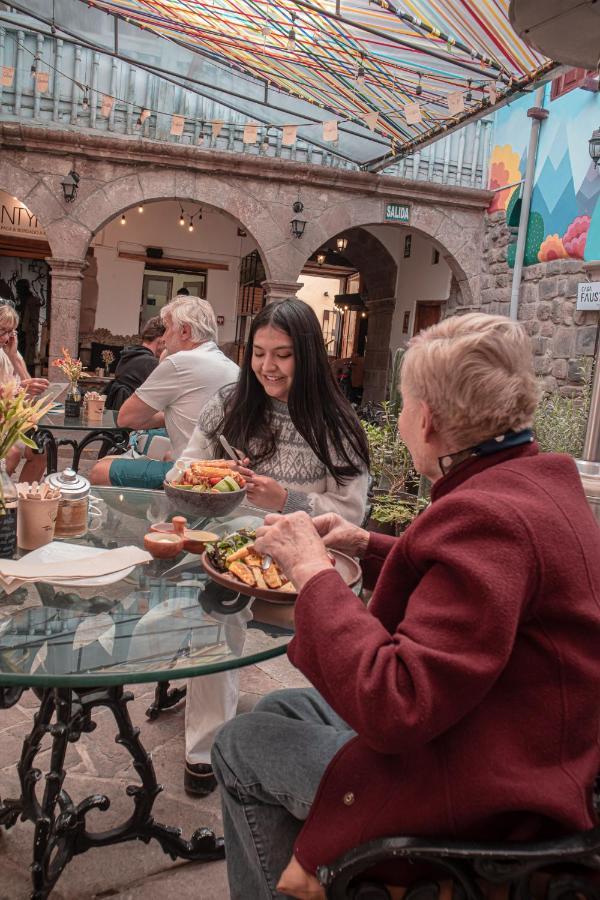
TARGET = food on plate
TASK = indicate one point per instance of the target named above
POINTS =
(236, 555)
(210, 475)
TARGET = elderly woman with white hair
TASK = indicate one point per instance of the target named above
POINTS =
(12, 367)
(174, 394)
(463, 701)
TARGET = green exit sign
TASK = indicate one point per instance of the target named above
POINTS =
(397, 212)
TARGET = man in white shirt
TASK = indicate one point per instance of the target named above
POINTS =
(174, 393)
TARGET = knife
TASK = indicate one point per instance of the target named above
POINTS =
(235, 455)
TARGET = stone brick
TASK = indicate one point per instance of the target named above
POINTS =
(553, 267)
(532, 273)
(557, 312)
(549, 384)
(563, 343)
(569, 390)
(585, 340)
(542, 365)
(559, 369)
(544, 311)
(503, 281)
(548, 288)
(547, 329)
(575, 372)
(529, 292)
(539, 345)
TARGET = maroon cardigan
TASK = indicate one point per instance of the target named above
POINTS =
(472, 680)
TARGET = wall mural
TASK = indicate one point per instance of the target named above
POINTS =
(565, 212)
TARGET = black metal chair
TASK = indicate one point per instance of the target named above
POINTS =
(567, 864)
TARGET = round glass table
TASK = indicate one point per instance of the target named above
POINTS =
(112, 436)
(78, 648)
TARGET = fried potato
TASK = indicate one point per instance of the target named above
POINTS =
(258, 577)
(287, 588)
(272, 578)
(253, 559)
(241, 571)
(242, 553)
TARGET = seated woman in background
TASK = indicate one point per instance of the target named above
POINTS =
(12, 367)
(136, 363)
(463, 701)
(305, 450)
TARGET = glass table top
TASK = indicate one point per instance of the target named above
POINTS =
(164, 621)
(57, 421)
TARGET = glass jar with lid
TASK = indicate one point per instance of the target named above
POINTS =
(72, 518)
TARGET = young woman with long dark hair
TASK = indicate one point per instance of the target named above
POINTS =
(305, 446)
(305, 450)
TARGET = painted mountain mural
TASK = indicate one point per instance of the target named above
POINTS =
(554, 196)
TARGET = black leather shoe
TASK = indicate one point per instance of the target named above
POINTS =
(199, 779)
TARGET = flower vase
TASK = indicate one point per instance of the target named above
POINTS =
(73, 402)
(106, 371)
(8, 514)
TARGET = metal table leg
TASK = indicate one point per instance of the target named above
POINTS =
(164, 698)
(60, 823)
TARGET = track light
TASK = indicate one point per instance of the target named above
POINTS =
(191, 225)
(360, 77)
(469, 94)
(181, 219)
(419, 88)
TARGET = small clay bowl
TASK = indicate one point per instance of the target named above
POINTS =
(163, 545)
(196, 541)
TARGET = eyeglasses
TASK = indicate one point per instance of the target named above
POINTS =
(7, 333)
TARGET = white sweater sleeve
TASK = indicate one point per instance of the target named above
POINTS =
(349, 499)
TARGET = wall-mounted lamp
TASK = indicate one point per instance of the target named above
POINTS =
(321, 257)
(242, 232)
(595, 147)
(298, 225)
(70, 184)
(341, 243)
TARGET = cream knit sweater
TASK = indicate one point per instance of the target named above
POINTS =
(294, 465)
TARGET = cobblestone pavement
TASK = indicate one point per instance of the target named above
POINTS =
(131, 871)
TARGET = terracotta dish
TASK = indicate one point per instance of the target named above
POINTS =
(345, 566)
(194, 541)
(162, 545)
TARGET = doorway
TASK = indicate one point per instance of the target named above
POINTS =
(428, 312)
(156, 293)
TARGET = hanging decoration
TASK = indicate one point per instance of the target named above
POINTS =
(250, 133)
(217, 127)
(177, 123)
(319, 53)
(107, 105)
(330, 130)
(7, 74)
(412, 113)
(289, 134)
(42, 81)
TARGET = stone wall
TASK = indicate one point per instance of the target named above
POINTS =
(562, 337)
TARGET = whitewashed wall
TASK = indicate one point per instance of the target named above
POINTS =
(120, 281)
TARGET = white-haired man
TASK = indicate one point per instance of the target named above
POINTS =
(174, 393)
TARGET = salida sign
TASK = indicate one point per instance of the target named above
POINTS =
(588, 295)
(397, 212)
(16, 219)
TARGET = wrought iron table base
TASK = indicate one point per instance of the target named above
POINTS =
(112, 441)
(164, 698)
(60, 824)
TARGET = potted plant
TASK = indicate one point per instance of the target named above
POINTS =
(108, 358)
(73, 369)
(19, 414)
(395, 492)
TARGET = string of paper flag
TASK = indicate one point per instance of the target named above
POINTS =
(406, 71)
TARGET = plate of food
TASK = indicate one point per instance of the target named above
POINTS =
(233, 562)
(205, 487)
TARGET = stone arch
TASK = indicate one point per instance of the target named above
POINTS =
(373, 260)
(104, 204)
(455, 230)
(32, 192)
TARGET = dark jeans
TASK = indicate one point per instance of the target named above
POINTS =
(269, 763)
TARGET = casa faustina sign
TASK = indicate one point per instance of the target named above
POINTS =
(588, 295)
(397, 212)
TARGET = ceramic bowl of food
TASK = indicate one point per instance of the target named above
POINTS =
(195, 541)
(163, 545)
(208, 488)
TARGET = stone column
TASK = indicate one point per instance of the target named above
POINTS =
(281, 290)
(66, 279)
(591, 448)
(378, 348)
